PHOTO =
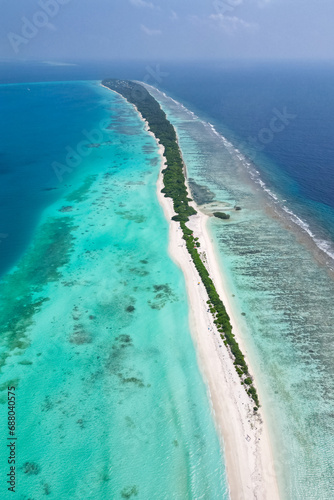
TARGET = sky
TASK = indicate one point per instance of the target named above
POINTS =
(72, 30)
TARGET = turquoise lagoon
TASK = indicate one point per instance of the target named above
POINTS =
(95, 335)
(283, 299)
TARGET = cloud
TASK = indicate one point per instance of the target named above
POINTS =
(149, 31)
(142, 3)
(230, 24)
(263, 3)
(174, 16)
(58, 63)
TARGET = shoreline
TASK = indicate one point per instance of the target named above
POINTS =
(288, 218)
(247, 449)
(243, 434)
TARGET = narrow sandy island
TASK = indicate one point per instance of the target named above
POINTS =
(249, 460)
(248, 454)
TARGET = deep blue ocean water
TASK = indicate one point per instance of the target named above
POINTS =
(281, 295)
(296, 158)
(36, 127)
(286, 296)
(240, 99)
(110, 401)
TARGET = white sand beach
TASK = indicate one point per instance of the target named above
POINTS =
(248, 455)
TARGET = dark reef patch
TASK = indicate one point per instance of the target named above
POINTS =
(138, 271)
(66, 209)
(80, 336)
(81, 423)
(117, 355)
(130, 423)
(134, 217)
(131, 380)
(163, 294)
(80, 194)
(201, 194)
(4, 386)
(124, 340)
(129, 491)
(47, 405)
(46, 489)
(31, 468)
(154, 161)
(22, 290)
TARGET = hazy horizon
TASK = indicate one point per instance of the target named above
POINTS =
(176, 30)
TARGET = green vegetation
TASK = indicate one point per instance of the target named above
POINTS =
(221, 215)
(175, 188)
(221, 318)
(174, 180)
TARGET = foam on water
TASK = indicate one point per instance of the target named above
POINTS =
(282, 298)
(323, 245)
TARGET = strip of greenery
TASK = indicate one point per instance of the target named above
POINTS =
(174, 180)
(175, 188)
(221, 318)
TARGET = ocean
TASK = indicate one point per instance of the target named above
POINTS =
(296, 158)
(257, 136)
(110, 402)
(276, 256)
